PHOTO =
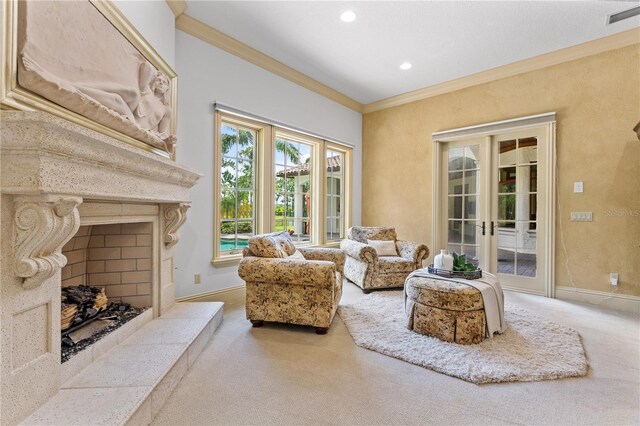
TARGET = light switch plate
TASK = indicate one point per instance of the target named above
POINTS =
(578, 187)
(581, 216)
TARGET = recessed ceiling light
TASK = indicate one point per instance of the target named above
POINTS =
(348, 16)
(405, 65)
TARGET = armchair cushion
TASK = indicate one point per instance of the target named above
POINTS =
(391, 264)
(364, 233)
(274, 245)
(287, 271)
(384, 248)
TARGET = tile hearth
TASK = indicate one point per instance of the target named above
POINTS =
(130, 383)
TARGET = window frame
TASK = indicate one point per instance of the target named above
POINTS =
(263, 131)
(346, 191)
(316, 149)
(265, 183)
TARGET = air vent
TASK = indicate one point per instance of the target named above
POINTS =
(625, 14)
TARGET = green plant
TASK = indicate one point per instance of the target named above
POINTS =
(460, 263)
(230, 227)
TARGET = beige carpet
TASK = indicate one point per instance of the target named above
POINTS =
(287, 375)
(531, 349)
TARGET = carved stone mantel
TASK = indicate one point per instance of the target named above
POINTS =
(44, 154)
(174, 216)
(43, 224)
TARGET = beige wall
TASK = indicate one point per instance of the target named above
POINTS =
(597, 101)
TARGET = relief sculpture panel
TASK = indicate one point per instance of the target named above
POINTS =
(70, 54)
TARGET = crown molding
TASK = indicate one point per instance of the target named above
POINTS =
(229, 44)
(177, 7)
(615, 41)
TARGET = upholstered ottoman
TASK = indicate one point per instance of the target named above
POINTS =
(450, 311)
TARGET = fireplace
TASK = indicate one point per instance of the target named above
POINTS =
(106, 282)
(77, 206)
(115, 256)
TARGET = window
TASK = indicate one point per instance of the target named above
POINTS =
(294, 189)
(273, 179)
(334, 190)
(237, 186)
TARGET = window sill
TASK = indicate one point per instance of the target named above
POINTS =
(227, 260)
(332, 244)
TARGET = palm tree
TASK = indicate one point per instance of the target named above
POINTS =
(290, 150)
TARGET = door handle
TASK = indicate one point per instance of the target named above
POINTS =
(484, 228)
(492, 227)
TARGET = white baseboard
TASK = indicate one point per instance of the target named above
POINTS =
(621, 302)
(523, 290)
(223, 291)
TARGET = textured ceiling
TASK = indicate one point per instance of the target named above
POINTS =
(443, 40)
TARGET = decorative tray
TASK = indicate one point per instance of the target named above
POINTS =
(467, 275)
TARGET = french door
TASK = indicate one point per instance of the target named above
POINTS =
(494, 204)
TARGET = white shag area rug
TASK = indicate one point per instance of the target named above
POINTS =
(531, 349)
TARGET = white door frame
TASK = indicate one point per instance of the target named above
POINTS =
(548, 120)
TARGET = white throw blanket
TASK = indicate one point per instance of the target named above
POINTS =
(491, 292)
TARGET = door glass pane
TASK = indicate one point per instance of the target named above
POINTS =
(527, 150)
(507, 207)
(472, 154)
(526, 251)
(507, 153)
(456, 159)
(472, 254)
(471, 232)
(455, 182)
(455, 207)
(455, 231)
(506, 261)
(454, 248)
(526, 209)
(507, 179)
(525, 182)
(471, 182)
(470, 206)
(507, 236)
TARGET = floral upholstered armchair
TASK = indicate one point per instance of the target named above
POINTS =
(288, 285)
(386, 266)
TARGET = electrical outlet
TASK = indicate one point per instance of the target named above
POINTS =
(578, 187)
(197, 279)
(613, 278)
(581, 216)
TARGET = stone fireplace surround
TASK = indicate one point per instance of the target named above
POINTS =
(55, 177)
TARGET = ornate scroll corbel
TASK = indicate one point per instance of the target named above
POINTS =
(174, 217)
(43, 225)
